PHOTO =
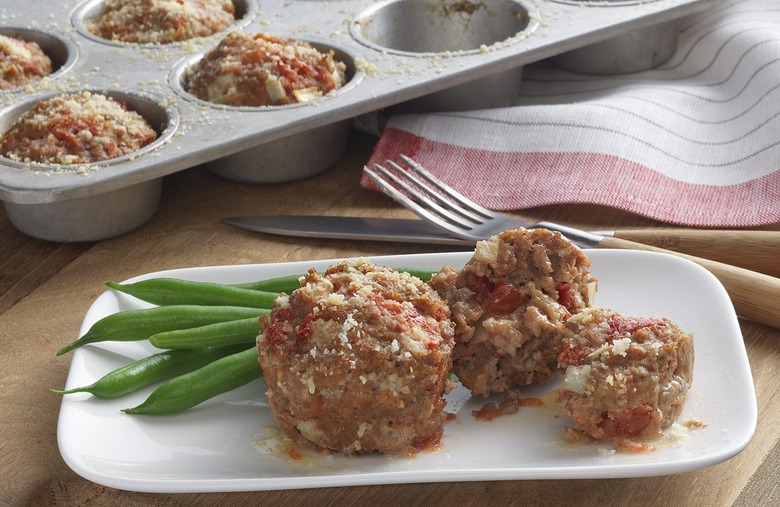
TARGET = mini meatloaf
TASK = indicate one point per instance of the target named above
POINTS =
(356, 360)
(510, 303)
(626, 377)
(263, 70)
(75, 128)
(161, 21)
(21, 62)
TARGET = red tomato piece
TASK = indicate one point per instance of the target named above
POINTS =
(628, 423)
(503, 299)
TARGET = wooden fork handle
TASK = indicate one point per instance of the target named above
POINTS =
(754, 250)
(755, 296)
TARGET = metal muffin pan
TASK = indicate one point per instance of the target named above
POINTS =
(402, 55)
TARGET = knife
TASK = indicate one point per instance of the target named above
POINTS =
(754, 250)
(354, 228)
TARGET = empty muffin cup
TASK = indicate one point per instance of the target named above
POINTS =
(635, 51)
(430, 27)
(448, 29)
(95, 213)
(603, 3)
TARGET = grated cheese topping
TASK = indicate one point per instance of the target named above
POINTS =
(75, 128)
(161, 21)
(21, 62)
(255, 70)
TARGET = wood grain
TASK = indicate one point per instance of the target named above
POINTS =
(25, 262)
(754, 250)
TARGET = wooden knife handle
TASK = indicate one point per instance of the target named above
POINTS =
(754, 250)
(755, 296)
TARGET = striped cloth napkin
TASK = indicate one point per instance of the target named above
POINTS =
(694, 142)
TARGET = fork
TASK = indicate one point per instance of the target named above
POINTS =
(755, 296)
(438, 203)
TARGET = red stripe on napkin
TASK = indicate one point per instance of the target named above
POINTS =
(513, 181)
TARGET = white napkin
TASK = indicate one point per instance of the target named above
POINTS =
(694, 142)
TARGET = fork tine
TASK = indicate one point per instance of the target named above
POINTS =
(402, 191)
(435, 195)
(399, 196)
(446, 189)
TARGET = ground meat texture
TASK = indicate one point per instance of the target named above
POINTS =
(161, 21)
(263, 70)
(21, 62)
(357, 360)
(75, 128)
(510, 303)
(626, 377)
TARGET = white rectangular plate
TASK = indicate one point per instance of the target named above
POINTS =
(230, 443)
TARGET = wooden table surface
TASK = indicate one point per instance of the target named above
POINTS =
(46, 288)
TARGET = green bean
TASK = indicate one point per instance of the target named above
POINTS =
(134, 325)
(422, 274)
(148, 370)
(173, 291)
(222, 333)
(188, 390)
(279, 284)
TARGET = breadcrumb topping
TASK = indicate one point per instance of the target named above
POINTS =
(21, 62)
(264, 70)
(626, 377)
(360, 356)
(161, 21)
(75, 128)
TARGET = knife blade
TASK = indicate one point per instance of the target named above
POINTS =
(354, 228)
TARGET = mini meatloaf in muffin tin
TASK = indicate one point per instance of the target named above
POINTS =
(357, 360)
(161, 21)
(626, 377)
(264, 70)
(21, 62)
(510, 303)
(75, 128)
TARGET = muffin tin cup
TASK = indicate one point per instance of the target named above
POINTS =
(293, 157)
(103, 215)
(296, 156)
(448, 29)
(403, 56)
(163, 120)
(441, 27)
(635, 51)
(603, 3)
(496, 90)
(245, 10)
(59, 48)
(89, 218)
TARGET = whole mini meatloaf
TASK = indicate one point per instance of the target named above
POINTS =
(626, 377)
(510, 303)
(263, 70)
(356, 360)
(161, 21)
(75, 128)
(21, 62)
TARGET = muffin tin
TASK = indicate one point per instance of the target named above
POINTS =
(401, 55)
